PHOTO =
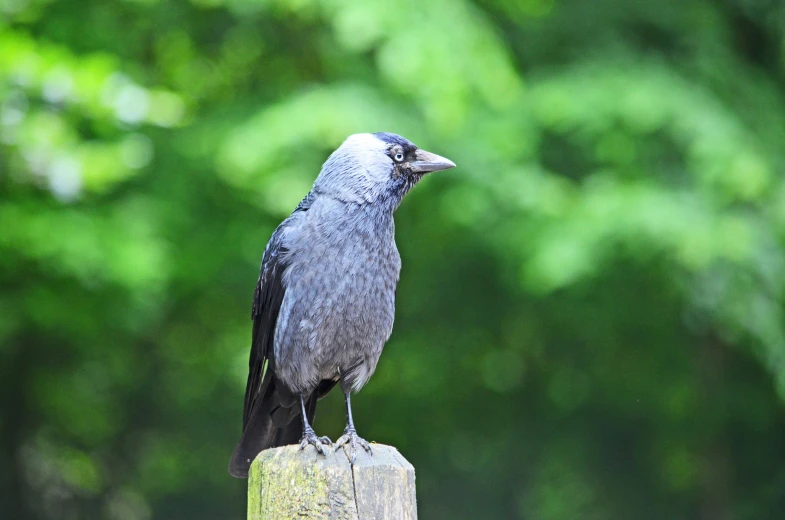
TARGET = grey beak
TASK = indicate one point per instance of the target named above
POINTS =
(425, 162)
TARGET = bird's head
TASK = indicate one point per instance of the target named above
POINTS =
(368, 168)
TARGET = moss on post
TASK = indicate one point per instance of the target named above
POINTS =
(288, 483)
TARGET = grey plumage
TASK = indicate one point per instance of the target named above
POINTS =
(325, 299)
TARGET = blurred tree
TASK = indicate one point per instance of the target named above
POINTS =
(590, 319)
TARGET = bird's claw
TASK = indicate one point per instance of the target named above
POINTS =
(317, 442)
(350, 437)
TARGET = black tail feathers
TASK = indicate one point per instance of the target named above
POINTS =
(275, 421)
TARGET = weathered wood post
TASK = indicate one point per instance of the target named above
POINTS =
(288, 483)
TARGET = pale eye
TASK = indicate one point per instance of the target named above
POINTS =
(399, 157)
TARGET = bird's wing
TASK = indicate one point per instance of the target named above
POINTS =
(267, 300)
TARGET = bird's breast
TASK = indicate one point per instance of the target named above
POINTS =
(341, 279)
(338, 309)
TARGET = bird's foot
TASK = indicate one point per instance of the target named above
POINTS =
(317, 442)
(351, 438)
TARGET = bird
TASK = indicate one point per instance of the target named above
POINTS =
(324, 303)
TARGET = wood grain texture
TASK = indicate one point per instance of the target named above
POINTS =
(288, 483)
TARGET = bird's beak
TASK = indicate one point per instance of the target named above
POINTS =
(425, 162)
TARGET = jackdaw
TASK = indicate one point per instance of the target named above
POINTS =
(325, 299)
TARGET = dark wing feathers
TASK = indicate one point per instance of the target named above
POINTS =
(267, 300)
(266, 306)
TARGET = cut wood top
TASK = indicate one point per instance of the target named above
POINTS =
(288, 483)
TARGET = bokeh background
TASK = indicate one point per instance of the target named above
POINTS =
(590, 317)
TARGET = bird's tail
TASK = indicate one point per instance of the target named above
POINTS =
(275, 421)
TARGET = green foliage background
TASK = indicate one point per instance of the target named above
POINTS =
(590, 318)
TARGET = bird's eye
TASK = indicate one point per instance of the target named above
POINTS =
(399, 157)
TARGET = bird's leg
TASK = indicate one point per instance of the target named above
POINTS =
(350, 434)
(309, 436)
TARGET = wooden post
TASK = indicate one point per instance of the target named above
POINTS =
(287, 483)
